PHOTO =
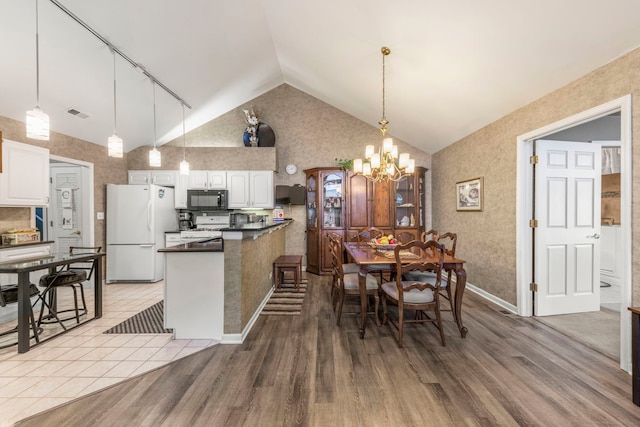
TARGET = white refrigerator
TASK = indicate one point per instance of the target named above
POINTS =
(137, 218)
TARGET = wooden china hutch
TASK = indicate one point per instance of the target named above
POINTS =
(342, 202)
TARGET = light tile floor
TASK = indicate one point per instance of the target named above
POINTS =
(84, 359)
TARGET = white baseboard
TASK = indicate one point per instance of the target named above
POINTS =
(494, 299)
(239, 338)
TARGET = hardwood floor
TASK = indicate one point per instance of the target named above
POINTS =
(304, 370)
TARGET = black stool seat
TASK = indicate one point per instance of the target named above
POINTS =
(66, 277)
(9, 295)
(51, 282)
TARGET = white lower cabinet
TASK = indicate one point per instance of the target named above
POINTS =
(24, 180)
(171, 239)
(250, 189)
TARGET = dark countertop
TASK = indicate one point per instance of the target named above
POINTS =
(256, 226)
(22, 245)
(209, 245)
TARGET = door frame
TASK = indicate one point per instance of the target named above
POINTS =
(524, 211)
(87, 209)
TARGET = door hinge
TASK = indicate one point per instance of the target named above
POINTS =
(533, 287)
(533, 223)
(534, 160)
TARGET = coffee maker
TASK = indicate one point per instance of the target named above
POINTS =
(185, 221)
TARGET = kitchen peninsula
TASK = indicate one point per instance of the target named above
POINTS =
(216, 288)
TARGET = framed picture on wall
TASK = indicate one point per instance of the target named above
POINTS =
(469, 195)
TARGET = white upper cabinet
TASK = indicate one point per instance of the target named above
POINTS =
(166, 178)
(139, 177)
(207, 180)
(261, 189)
(180, 191)
(250, 189)
(24, 180)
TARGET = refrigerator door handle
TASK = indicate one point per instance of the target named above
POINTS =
(149, 215)
(146, 246)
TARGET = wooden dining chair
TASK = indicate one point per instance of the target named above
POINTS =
(405, 237)
(449, 241)
(348, 283)
(415, 295)
(365, 235)
(336, 249)
(429, 235)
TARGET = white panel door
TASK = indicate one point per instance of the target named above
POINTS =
(567, 245)
(65, 209)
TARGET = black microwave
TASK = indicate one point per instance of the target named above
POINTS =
(206, 200)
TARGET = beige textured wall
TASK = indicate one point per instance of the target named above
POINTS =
(106, 170)
(309, 133)
(486, 240)
(247, 280)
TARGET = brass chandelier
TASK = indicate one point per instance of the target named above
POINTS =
(386, 164)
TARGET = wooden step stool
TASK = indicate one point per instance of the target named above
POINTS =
(287, 263)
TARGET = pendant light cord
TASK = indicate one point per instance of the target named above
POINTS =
(154, 113)
(184, 138)
(37, 61)
(384, 118)
(115, 117)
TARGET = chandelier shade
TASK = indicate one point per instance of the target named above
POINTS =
(385, 164)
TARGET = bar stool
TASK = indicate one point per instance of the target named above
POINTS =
(9, 295)
(287, 263)
(72, 277)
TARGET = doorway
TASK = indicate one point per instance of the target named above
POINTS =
(525, 203)
(69, 217)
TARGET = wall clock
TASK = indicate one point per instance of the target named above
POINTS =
(291, 169)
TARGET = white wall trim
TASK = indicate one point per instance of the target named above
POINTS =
(524, 211)
(490, 297)
(239, 338)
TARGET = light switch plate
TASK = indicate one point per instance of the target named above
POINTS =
(100, 215)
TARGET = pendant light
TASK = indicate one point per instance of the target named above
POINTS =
(184, 165)
(114, 143)
(155, 158)
(37, 120)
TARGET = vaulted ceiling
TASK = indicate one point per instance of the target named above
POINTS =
(454, 67)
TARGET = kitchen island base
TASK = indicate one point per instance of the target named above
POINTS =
(218, 292)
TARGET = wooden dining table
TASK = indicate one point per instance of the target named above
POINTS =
(364, 255)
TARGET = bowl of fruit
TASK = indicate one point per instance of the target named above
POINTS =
(384, 243)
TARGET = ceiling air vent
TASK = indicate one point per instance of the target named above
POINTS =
(77, 113)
